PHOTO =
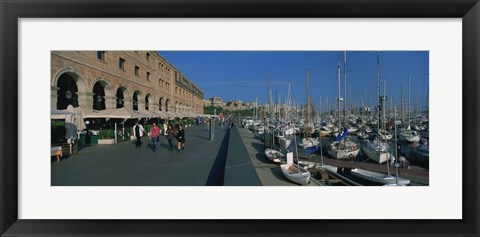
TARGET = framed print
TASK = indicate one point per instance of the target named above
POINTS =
(54, 39)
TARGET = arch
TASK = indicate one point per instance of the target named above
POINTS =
(105, 84)
(148, 98)
(67, 92)
(76, 80)
(79, 79)
(98, 98)
(120, 93)
(160, 103)
(135, 97)
(167, 102)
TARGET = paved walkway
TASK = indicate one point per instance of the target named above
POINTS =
(124, 165)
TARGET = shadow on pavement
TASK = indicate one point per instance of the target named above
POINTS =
(216, 175)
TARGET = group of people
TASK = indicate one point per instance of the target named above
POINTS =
(168, 131)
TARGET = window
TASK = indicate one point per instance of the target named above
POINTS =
(148, 57)
(101, 55)
(137, 69)
(148, 76)
(121, 63)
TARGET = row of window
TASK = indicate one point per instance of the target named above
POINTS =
(164, 83)
(184, 93)
(101, 55)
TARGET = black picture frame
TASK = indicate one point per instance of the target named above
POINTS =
(11, 11)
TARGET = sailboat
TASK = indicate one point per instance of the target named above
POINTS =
(285, 133)
(342, 148)
(295, 172)
(378, 150)
(409, 135)
(308, 144)
(382, 178)
(271, 153)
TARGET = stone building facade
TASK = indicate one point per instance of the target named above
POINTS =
(140, 80)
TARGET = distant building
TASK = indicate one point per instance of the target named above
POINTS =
(216, 101)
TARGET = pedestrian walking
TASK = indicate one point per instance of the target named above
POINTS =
(154, 136)
(170, 134)
(180, 138)
(138, 133)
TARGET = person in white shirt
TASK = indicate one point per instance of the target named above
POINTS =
(138, 133)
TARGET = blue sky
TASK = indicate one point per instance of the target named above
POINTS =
(244, 75)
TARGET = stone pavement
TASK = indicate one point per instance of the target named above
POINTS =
(124, 165)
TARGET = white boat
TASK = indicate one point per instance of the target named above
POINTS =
(352, 130)
(284, 138)
(419, 127)
(309, 142)
(274, 155)
(410, 136)
(377, 151)
(325, 131)
(385, 135)
(343, 149)
(380, 178)
(294, 172)
(362, 134)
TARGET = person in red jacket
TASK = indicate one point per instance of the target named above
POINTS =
(154, 133)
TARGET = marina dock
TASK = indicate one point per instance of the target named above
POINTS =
(234, 158)
(270, 173)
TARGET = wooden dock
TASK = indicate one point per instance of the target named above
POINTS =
(418, 175)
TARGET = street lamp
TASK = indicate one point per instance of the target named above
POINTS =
(68, 93)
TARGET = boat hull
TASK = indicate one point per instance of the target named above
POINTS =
(296, 173)
(273, 155)
(380, 178)
(377, 156)
(343, 154)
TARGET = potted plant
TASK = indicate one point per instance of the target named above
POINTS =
(106, 136)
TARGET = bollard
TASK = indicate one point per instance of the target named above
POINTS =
(212, 128)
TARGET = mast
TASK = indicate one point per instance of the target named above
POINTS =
(289, 98)
(345, 87)
(416, 107)
(378, 85)
(384, 125)
(269, 98)
(396, 143)
(320, 108)
(308, 103)
(338, 74)
(401, 102)
(350, 104)
(408, 101)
